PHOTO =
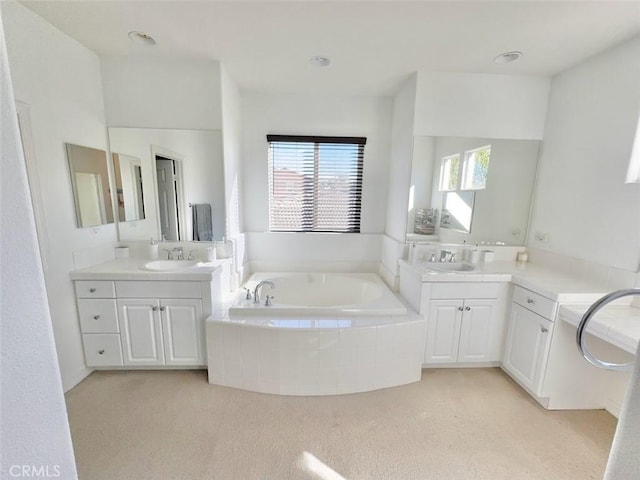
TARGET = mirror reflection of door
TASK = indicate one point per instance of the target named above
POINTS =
(89, 191)
(130, 194)
(167, 198)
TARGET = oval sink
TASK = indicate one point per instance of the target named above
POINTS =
(168, 265)
(452, 267)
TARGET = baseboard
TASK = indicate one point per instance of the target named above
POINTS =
(461, 365)
(75, 379)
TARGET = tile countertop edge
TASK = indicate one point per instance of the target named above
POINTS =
(619, 326)
(553, 285)
(129, 269)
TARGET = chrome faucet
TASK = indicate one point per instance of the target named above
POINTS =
(452, 259)
(443, 255)
(256, 292)
(179, 253)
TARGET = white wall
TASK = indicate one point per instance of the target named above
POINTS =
(581, 200)
(369, 117)
(202, 174)
(59, 79)
(481, 105)
(33, 416)
(160, 93)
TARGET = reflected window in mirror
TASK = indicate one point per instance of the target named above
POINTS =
(90, 183)
(450, 173)
(129, 191)
(476, 168)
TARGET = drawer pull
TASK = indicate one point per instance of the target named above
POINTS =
(467, 308)
(460, 309)
(154, 308)
(162, 309)
(92, 290)
(544, 330)
(96, 317)
(530, 301)
(101, 352)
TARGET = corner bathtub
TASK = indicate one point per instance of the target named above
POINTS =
(324, 334)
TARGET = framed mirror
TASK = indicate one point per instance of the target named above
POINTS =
(89, 173)
(178, 169)
(478, 189)
(127, 172)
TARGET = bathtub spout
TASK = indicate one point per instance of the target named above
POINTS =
(256, 292)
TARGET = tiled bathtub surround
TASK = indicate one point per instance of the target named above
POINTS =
(319, 356)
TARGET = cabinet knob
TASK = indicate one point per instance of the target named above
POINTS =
(162, 309)
(101, 352)
(96, 317)
(460, 309)
(530, 300)
(92, 290)
(154, 308)
(544, 330)
(467, 308)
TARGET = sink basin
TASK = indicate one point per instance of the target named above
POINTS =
(168, 265)
(452, 267)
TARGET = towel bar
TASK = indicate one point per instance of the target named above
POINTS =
(582, 326)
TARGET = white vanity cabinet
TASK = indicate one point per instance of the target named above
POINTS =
(144, 323)
(529, 338)
(465, 322)
(161, 331)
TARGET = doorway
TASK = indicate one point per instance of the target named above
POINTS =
(168, 204)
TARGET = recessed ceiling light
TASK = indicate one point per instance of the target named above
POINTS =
(507, 57)
(141, 38)
(318, 61)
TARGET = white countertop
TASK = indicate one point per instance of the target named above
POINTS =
(618, 325)
(130, 269)
(549, 283)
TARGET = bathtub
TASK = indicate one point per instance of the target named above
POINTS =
(324, 334)
(336, 294)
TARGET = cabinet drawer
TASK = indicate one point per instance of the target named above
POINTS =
(98, 315)
(451, 290)
(535, 302)
(134, 289)
(102, 349)
(95, 289)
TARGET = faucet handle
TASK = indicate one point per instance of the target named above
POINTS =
(191, 256)
(267, 302)
(169, 256)
(452, 259)
(249, 295)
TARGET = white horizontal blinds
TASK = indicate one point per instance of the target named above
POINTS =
(315, 183)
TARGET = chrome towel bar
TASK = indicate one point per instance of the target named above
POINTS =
(582, 326)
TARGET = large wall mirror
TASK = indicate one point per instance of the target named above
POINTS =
(174, 181)
(473, 189)
(89, 172)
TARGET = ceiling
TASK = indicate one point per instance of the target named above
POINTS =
(373, 46)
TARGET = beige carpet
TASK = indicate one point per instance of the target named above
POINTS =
(454, 424)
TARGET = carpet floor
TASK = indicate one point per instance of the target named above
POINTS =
(453, 424)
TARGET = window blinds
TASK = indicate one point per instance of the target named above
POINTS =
(315, 183)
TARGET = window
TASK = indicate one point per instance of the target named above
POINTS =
(475, 168)
(315, 183)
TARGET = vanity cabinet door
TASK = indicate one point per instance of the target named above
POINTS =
(478, 332)
(443, 331)
(141, 332)
(183, 332)
(527, 347)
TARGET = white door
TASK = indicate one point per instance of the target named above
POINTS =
(443, 331)
(476, 332)
(527, 346)
(140, 332)
(183, 332)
